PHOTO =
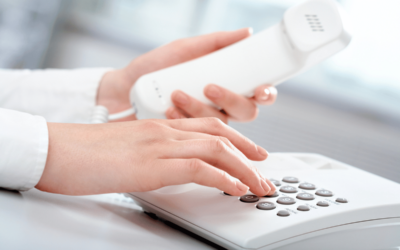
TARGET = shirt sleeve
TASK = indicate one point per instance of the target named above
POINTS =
(24, 144)
(67, 96)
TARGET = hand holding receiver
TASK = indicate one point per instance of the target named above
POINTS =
(308, 34)
(146, 155)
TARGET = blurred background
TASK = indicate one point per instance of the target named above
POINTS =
(347, 108)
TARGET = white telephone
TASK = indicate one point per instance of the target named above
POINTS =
(320, 204)
(308, 34)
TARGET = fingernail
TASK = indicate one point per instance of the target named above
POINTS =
(243, 188)
(262, 151)
(265, 186)
(213, 91)
(250, 30)
(265, 95)
(181, 98)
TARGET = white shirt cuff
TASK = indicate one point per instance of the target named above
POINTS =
(24, 145)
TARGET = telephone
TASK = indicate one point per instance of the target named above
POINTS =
(321, 203)
(308, 34)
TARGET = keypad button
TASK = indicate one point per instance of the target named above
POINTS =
(266, 206)
(323, 204)
(286, 201)
(323, 192)
(283, 213)
(288, 189)
(226, 194)
(303, 208)
(341, 200)
(290, 179)
(276, 194)
(307, 186)
(249, 198)
(305, 196)
(275, 182)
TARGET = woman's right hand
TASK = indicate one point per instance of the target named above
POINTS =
(149, 154)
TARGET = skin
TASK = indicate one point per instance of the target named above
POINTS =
(115, 85)
(149, 154)
(146, 155)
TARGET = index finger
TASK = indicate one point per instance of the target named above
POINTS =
(214, 126)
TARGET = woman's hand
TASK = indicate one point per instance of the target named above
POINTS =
(115, 86)
(150, 154)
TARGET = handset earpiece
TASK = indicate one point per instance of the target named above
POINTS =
(308, 34)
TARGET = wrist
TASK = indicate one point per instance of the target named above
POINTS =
(113, 91)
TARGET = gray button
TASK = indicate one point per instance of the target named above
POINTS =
(276, 194)
(288, 189)
(266, 206)
(323, 204)
(290, 179)
(341, 200)
(286, 201)
(305, 196)
(249, 198)
(226, 194)
(307, 186)
(323, 192)
(283, 213)
(303, 208)
(275, 182)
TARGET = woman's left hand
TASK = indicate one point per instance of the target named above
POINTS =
(115, 86)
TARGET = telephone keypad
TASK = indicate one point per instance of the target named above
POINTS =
(307, 186)
(266, 205)
(288, 189)
(305, 196)
(290, 179)
(323, 192)
(286, 201)
(249, 198)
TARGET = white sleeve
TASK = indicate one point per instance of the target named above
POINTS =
(23, 149)
(67, 96)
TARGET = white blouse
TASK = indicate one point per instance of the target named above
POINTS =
(27, 100)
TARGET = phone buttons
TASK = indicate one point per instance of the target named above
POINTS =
(249, 198)
(266, 206)
(290, 179)
(307, 186)
(323, 192)
(303, 208)
(283, 213)
(286, 201)
(323, 204)
(288, 189)
(276, 194)
(341, 200)
(305, 196)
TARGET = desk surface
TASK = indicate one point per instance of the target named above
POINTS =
(38, 220)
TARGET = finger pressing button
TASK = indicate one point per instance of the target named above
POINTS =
(266, 206)
(290, 179)
(305, 196)
(288, 189)
(307, 186)
(323, 192)
(283, 213)
(286, 201)
(249, 198)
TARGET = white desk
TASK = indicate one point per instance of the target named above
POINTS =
(38, 220)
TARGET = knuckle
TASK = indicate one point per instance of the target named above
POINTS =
(217, 145)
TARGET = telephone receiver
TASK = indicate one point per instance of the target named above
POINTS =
(308, 34)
